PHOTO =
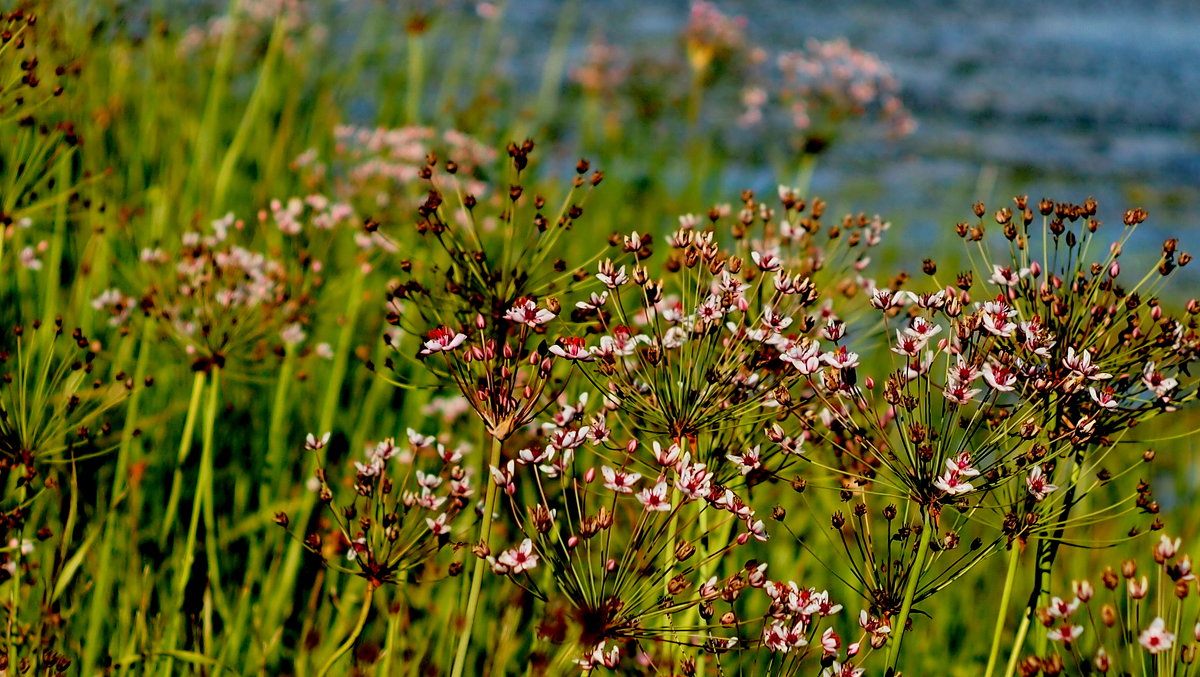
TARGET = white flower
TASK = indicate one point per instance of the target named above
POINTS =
(618, 481)
(1039, 487)
(1155, 638)
(443, 339)
(526, 312)
(520, 558)
(655, 498)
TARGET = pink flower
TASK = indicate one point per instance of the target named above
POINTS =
(843, 670)
(527, 313)
(961, 465)
(1157, 383)
(766, 261)
(1155, 638)
(443, 339)
(1066, 633)
(666, 457)
(1060, 609)
(830, 642)
(503, 476)
(438, 526)
(618, 481)
(1138, 590)
(1005, 276)
(840, 359)
(610, 275)
(1103, 397)
(1001, 377)
(1081, 365)
(1083, 590)
(748, 461)
(907, 344)
(960, 393)
(996, 316)
(1166, 549)
(923, 328)
(884, 299)
(571, 348)
(953, 484)
(520, 558)
(805, 356)
(655, 499)
(1039, 487)
(694, 481)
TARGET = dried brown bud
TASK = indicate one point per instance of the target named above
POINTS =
(684, 550)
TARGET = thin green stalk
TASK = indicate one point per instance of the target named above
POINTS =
(249, 118)
(485, 531)
(100, 605)
(274, 476)
(390, 645)
(368, 596)
(416, 78)
(1002, 613)
(185, 447)
(207, 471)
(910, 592)
(1018, 642)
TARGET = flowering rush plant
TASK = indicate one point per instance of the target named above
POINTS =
(402, 509)
(991, 416)
(1125, 622)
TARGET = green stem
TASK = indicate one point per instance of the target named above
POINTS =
(354, 633)
(485, 531)
(99, 613)
(274, 475)
(910, 592)
(390, 647)
(1002, 613)
(207, 471)
(1018, 641)
(249, 119)
(185, 447)
(416, 78)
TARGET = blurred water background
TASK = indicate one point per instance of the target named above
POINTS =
(1062, 99)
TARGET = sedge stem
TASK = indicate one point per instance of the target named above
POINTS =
(910, 592)
(1002, 613)
(354, 633)
(485, 528)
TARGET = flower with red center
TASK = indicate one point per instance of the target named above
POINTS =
(1081, 364)
(1066, 633)
(1155, 638)
(518, 559)
(841, 359)
(1038, 484)
(526, 312)
(1006, 276)
(619, 481)
(1000, 376)
(571, 348)
(1103, 397)
(953, 483)
(443, 339)
(655, 498)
